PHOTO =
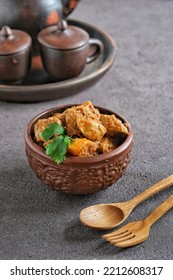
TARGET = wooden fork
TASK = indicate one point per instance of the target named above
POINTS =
(136, 232)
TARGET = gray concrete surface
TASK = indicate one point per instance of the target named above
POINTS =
(38, 223)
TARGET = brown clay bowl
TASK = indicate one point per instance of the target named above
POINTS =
(78, 175)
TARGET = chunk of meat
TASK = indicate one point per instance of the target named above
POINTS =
(75, 114)
(87, 109)
(42, 124)
(106, 145)
(91, 128)
(113, 125)
(71, 117)
(60, 117)
(82, 147)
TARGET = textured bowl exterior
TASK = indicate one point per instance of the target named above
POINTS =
(78, 175)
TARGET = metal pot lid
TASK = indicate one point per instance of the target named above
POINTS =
(13, 41)
(63, 36)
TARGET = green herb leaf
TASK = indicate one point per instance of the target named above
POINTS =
(51, 129)
(57, 149)
(67, 140)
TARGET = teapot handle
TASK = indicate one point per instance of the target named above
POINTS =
(98, 51)
(69, 6)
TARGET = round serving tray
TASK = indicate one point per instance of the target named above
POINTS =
(38, 86)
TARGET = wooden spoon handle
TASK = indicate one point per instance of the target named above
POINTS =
(161, 185)
(160, 211)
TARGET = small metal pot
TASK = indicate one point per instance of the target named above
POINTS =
(15, 55)
(65, 50)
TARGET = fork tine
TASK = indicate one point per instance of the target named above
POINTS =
(128, 243)
(115, 233)
(132, 241)
(118, 236)
(121, 239)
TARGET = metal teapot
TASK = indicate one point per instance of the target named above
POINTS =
(33, 15)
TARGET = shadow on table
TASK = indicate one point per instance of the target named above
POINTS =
(77, 233)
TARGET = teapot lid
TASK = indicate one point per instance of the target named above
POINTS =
(13, 41)
(63, 36)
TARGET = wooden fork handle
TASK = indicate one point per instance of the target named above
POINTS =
(160, 211)
(161, 185)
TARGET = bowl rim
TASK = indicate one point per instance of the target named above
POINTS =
(74, 159)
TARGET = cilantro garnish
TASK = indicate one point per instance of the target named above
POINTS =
(56, 149)
(52, 129)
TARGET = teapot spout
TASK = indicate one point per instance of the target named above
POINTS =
(69, 6)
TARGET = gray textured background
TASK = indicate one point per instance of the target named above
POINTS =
(38, 223)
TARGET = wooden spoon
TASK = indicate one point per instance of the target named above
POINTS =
(107, 216)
